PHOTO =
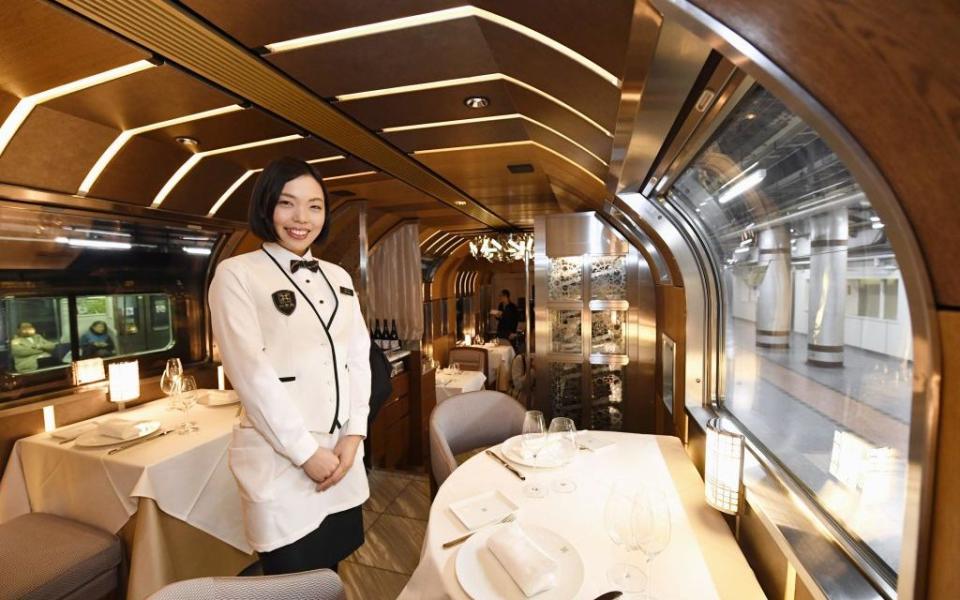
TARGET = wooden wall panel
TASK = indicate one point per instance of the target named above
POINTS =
(139, 171)
(888, 71)
(53, 151)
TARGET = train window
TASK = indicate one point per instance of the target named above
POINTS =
(34, 334)
(818, 339)
(124, 324)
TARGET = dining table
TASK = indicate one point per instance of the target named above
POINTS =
(450, 382)
(701, 561)
(171, 497)
(499, 357)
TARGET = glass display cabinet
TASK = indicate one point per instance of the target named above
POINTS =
(598, 324)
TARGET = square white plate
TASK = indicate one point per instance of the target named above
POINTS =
(483, 509)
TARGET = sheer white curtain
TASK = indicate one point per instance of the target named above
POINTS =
(394, 289)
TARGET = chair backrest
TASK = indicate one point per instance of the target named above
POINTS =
(518, 369)
(322, 584)
(467, 421)
(470, 359)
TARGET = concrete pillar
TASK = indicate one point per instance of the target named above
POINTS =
(828, 282)
(774, 296)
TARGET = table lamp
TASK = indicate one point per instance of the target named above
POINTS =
(724, 469)
(124, 382)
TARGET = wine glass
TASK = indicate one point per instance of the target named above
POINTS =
(170, 380)
(620, 514)
(563, 447)
(654, 528)
(185, 401)
(532, 440)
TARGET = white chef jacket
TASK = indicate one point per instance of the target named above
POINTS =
(296, 348)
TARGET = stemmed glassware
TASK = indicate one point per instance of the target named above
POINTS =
(184, 401)
(563, 446)
(532, 440)
(638, 520)
(655, 529)
(170, 380)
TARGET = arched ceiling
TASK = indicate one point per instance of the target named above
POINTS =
(381, 85)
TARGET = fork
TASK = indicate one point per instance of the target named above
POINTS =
(464, 538)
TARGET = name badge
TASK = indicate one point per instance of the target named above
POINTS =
(346, 290)
(285, 301)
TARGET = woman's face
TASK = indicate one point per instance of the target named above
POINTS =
(99, 328)
(299, 214)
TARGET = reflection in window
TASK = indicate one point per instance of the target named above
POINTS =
(122, 325)
(34, 334)
(819, 353)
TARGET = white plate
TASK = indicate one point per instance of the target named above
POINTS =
(482, 576)
(218, 397)
(512, 450)
(483, 509)
(93, 439)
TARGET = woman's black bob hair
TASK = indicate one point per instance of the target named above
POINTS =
(267, 190)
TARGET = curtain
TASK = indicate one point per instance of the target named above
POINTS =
(394, 286)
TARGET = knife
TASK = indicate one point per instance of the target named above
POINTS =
(138, 442)
(609, 595)
(507, 465)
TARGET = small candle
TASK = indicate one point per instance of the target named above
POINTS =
(467, 339)
(221, 383)
(49, 419)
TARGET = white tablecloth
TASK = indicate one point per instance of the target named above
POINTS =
(498, 357)
(701, 562)
(449, 384)
(186, 475)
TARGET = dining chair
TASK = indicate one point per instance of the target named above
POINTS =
(469, 359)
(468, 422)
(321, 584)
(518, 371)
(51, 557)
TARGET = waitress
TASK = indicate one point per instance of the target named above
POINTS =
(295, 347)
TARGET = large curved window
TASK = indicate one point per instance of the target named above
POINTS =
(818, 346)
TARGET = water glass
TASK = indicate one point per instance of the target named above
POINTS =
(185, 400)
(170, 380)
(620, 514)
(562, 437)
(532, 440)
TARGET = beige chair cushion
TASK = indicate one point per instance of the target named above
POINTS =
(322, 584)
(48, 557)
(465, 456)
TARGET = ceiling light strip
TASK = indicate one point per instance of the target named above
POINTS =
(494, 118)
(507, 144)
(114, 148)
(441, 16)
(432, 85)
(359, 174)
(230, 190)
(196, 158)
(26, 104)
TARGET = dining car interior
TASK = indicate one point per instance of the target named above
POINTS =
(662, 296)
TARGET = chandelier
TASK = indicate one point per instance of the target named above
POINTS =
(502, 247)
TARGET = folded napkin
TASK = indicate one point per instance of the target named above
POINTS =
(119, 428)
(73, 431)
(524, 561)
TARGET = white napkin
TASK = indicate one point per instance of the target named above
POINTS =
(120, 429)
(524, 561)
(73, 431)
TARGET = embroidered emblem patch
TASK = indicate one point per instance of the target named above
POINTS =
(346, 290)
(285, 301)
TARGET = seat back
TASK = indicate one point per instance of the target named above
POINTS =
(468, 421)
(470, 359)
(518, 370)
(322, 584)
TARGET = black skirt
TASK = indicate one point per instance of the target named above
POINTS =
(337, 537)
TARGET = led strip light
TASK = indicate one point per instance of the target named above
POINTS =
(440, 16)
(125, 136)
(493, 118)
(26, 104)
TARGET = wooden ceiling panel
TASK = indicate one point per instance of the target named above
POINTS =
(554, 73)
(7, 102)
(304, 149)
(231, 129)
(43, 46)
(147, 97)
(555, 142)
(490, 132)
(259, 22)
(404, 57)
(138, 171)
(203, 186)
(235, 208)
(561, 119)
(335, 168)
(53, 151)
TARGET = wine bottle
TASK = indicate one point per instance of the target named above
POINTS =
(376, 335)
(394, 338)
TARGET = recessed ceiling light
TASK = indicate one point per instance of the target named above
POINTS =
(460, 202)
(750, 116)
(477, 101)
(188, 141)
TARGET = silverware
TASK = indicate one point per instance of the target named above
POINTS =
(142, 440)
(587, 448)
(609, 595)
(464, 538)
(506, 464)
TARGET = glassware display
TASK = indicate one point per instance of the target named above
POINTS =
(566, 389)
(565, 331)
(608, 277)
(566, 278)
(607, 331)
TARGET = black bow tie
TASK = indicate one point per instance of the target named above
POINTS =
(313, 265)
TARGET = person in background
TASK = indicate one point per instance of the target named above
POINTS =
(28, 347)
(96, 341)
(296, 348)
(509, 317)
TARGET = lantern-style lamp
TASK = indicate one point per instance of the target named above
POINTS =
(724, 468)
(124, 382)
